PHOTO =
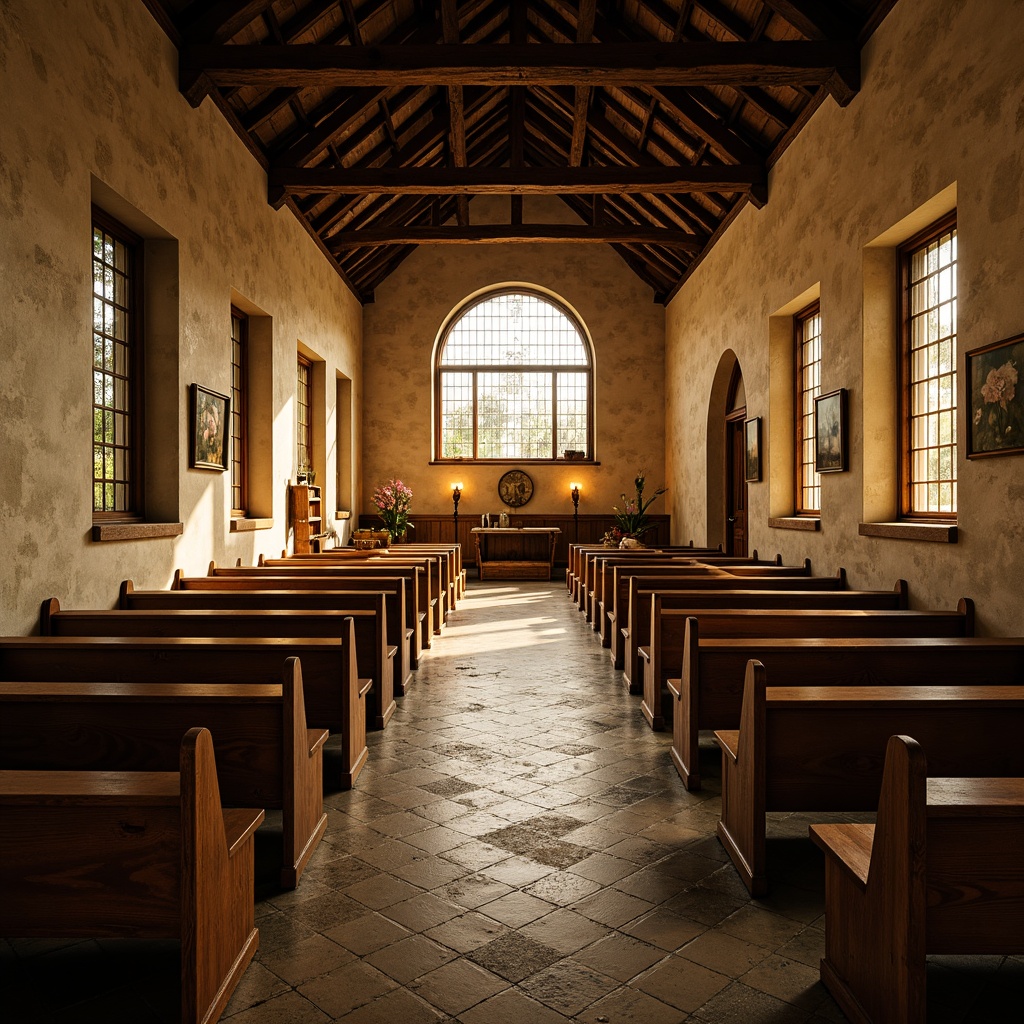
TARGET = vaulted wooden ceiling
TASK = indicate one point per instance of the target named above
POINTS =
(654, 121)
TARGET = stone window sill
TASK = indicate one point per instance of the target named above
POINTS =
(795, 523)
(244, 524)
(937, 533)
(135, 531)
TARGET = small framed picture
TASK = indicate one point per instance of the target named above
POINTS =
(752, 449)
(996, 425)
(210, 414)
(830, 432)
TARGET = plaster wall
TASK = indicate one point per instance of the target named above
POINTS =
(411, 307)
(942, 104)
(91, 107)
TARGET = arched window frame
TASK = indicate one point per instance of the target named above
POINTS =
(557, 453)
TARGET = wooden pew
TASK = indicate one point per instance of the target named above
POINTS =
(941, 871)
(335, 697)
(709, 695)
(374, 656)
(664, 654)
(264, 751)
(434, 567)
(358, 594)
(574, 571)
(822, 748)
(135, 855)
(638, 616)
(420, 608)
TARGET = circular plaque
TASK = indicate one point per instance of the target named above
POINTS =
(515, 488)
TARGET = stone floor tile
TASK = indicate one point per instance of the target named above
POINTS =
(517, 870)
(436, 840)
(287, 1008)
(620, 956)
(457, 986)
(664, 929)
(382, 891)
(516, 909)
(638, 850)
(724, 953)
(806, 947)
(474, 890)
(681, 983)
(409, 958)
(754, 924)
(311, 958)
(738, 1004)
(628, 1006)
(366, 934)
(257, 985)
(429, 872)
(387, 853)
(475, 855)
(612, 907)
(599, 867)
(568, 986)
(514, 956)
(422, 912)
(466, 932)
(562, 888)
(788, 980)
(346, 988)
(565, 931)
(399, 1005)
(511, 1007)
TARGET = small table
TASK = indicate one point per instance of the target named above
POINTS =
(507, 554)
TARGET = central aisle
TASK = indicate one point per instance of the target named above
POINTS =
(520, 848)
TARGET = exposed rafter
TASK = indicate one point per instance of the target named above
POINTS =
(495, 233)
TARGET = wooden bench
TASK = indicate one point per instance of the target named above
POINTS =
(335, 697)
(638, 615)
(374, 656)
(358, 594)
(939, 872)
(265, 753)
(135, 855)
(419, 608)
(709, 694)
(822, 748)
(664, 655)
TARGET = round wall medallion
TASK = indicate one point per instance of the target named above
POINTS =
(515, 488)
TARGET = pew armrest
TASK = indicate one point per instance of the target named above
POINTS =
(848, 845)
(729, 741)
(239, 824)
(315, 739)
(675, 687)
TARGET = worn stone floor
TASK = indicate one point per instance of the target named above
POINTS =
(518, 849)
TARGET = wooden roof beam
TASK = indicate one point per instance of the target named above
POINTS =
(640, 234)
(814, 19)
(456, 107)
(515, 181)
(584, 34)
(835, 65)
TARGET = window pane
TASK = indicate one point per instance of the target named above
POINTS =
(808, 387)
(931, 320)
(507, 386)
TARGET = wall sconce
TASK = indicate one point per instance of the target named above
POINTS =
(456, 495)
(574, 493)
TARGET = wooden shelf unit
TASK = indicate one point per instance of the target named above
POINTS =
(305, 512)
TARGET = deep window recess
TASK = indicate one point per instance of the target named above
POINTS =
(117, 370)
(239, 412)
(304, 420)
(514, 380)
(807, 331)
(928, 485)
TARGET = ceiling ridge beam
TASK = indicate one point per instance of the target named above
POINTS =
(833, 64)
(641, 234)
(515, 181)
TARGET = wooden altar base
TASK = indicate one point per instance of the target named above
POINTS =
(515, 571)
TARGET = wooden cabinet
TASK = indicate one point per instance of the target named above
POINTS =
(305, 511)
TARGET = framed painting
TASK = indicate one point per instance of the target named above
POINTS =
(210, 414)
(830, 432)
(752, 449)
(996, 425)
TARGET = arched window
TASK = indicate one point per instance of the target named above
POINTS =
(514, 380)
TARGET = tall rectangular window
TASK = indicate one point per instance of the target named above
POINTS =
(304, 417)
(928, 372)
(807, 331)
(239, 412)
(116, 369)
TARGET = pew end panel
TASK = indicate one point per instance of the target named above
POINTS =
(940, 872)
(161, 856)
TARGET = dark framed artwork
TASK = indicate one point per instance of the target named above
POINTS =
(996, 424)
(830, 432)
(752, 450)
(210, 420)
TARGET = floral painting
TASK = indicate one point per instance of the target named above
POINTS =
(997, 404)
(211, 417)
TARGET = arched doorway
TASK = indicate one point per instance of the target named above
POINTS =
(726, 483)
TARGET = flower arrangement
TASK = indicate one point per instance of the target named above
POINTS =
(393, 501)
(631, 521)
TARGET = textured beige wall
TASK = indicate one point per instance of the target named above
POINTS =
(400, 329)
(89, 89)
(942, 103)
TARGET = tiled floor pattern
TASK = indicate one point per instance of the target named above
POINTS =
(519, 849)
